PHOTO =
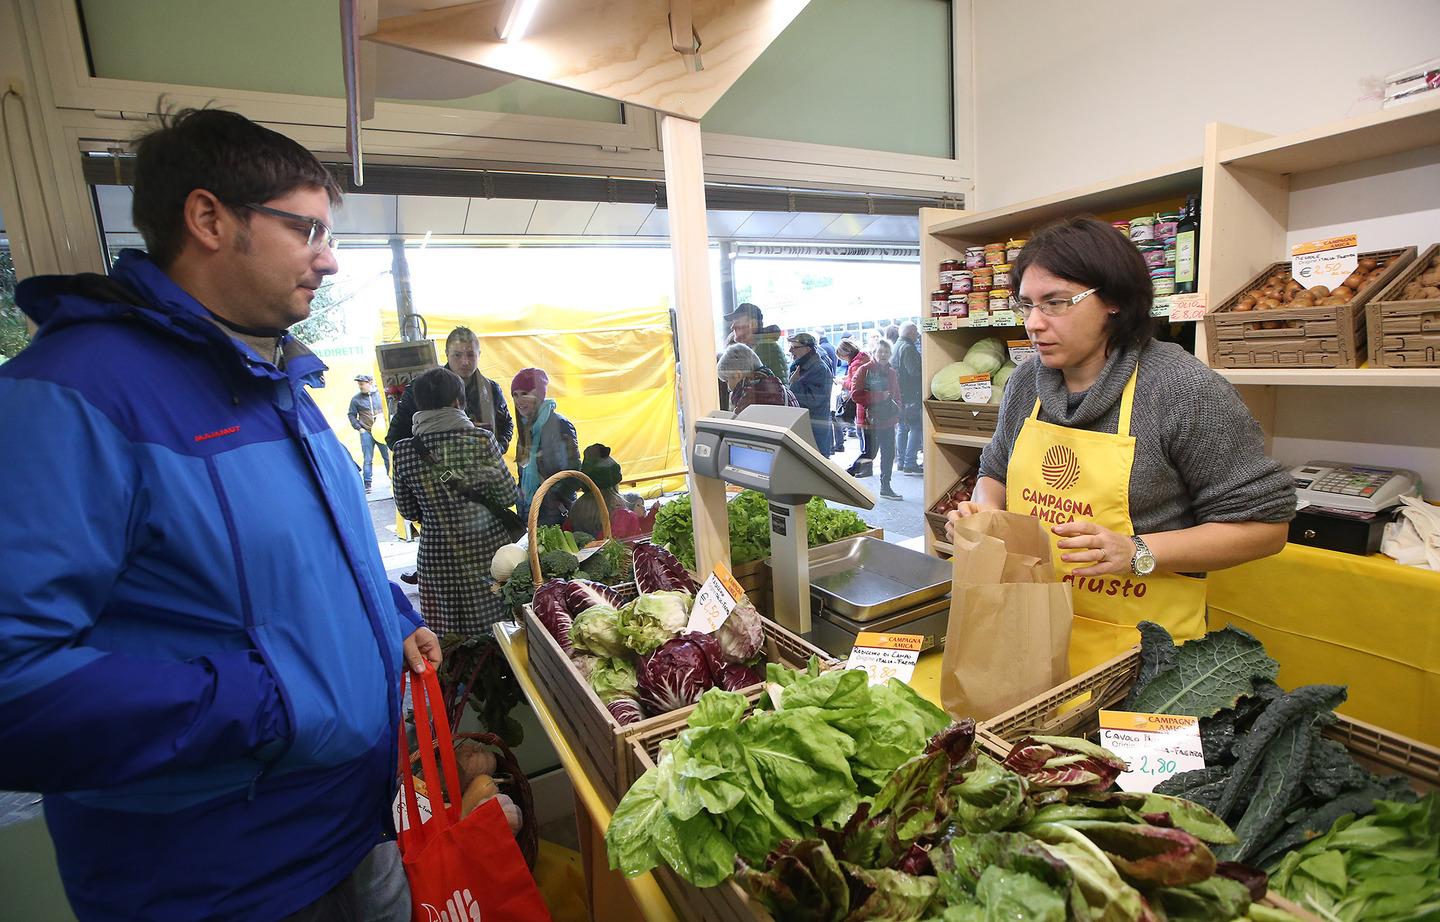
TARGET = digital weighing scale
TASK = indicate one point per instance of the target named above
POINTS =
(771, 450)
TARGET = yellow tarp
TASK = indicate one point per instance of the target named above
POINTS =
(611, 369)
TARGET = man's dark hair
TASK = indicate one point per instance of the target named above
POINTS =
(225, 153)
(1090, 252)
(462, 335)
(436, 389)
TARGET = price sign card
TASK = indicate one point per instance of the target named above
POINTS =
(715, 601)
(1019, 349)
(1325, 262)
(886, 656)
(1155, 745)
(1004, 319)
(1187, 308)
(929, 324)
(979, 318)
(397, 807)
(975, 388)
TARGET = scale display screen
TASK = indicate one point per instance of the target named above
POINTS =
(751, 459)
(407, 357)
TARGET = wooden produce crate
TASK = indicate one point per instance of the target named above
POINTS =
(1309, 337)
(1405, 332)
(599, 740)
(959, 418)
(936, 520)
(1073, 709)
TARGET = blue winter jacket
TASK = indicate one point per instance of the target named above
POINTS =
(199, 650)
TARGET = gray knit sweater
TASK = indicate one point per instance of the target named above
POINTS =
(1199, 454)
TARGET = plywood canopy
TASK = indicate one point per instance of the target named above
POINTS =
(619, 49)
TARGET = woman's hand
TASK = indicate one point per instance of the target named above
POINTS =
(964, 511)
(1107, 551)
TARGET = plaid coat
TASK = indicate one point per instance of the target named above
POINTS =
(459, 537)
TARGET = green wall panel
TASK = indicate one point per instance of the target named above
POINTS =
(872, 74)
(274, 46)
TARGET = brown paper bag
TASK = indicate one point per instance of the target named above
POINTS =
(1009, 634)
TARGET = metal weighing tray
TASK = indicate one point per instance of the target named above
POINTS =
(866, 578)
(835, 634)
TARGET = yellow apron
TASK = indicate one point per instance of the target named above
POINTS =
(1059, 474)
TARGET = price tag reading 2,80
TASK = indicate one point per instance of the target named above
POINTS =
(1155, 746)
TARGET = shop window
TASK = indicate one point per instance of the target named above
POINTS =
(279, 46)
(851, 73)
(14, 335)
(831, 295)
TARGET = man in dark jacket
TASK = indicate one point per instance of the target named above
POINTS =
(907, 368)
(828, 352)
(484, 399)
(365, 408)
(200, 656)
(811, 382)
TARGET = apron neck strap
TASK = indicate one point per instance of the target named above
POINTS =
(1127, 403)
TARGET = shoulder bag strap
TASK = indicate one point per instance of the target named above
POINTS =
(507, 518)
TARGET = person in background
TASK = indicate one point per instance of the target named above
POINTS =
(907, 368)
(828, 351)
(747, 326)
(892, 333)
(200, 654)
(855, 361)
(811, 381)
(587, 513)
(484, 400)
(877, 391)
(450, 478)
(751, 382)
(1157, 450)
(545, 445)
(365, 408)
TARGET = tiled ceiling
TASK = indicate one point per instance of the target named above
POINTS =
(448, 217)
(443, 216)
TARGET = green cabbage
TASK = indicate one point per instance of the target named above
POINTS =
(946, 383)
(613, 678)
(986, 356)
(597, 630)
(999, 380)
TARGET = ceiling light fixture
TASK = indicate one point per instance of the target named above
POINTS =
(516, 19)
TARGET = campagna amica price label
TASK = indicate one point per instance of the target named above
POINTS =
(1155, 746)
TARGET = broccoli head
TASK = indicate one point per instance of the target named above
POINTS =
(520, 587)
(561, 564)
(582, 538)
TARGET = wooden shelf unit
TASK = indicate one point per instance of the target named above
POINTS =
(1244, 178)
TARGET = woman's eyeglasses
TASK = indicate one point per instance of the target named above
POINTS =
(318, 238)
(1052, 307)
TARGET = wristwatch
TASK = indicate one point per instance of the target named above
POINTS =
(1143, 563)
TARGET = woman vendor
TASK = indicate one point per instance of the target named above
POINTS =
(1145, 465)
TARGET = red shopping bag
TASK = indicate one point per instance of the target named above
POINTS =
(466, 870)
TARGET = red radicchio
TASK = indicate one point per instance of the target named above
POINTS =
(625, 710)
(1064, 762)
(657, 569)
(678, 672)
(735, 676)
(581, 594)
(549, 606)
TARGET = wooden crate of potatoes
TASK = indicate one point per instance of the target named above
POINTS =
(960, 418)
(1274, 321)
(1404, 319)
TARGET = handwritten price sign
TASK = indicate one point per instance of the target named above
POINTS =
(1156, 746)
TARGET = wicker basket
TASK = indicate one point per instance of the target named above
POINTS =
(1405, 334)
(1073, 709)
(534, 523)
(600, 741)
(1310, 337)
(511, 781)
(956, 417)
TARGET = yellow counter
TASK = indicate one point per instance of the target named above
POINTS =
(623, 900)
(1327, 617)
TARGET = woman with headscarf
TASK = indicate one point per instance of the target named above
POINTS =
(449, 476)
(587, 513)
(545, 444)
(750, 382)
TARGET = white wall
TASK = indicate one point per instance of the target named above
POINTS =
(1070, 92)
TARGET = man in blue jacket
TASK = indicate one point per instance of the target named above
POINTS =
(200, 654)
